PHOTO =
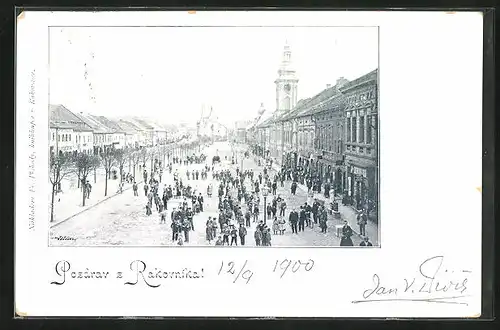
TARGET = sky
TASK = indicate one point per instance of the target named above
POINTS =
(169, 73)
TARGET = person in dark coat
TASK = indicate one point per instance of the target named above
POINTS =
(346, 235)
(186, 227)
(226, 232)
(266, 237)
(309, 185)
(148, 209)
(366, 242)
(255, 213)
(257, 236)
(362, 221)
(327, 190)
(323, 220)
(269, 211)
(208, 231)
(274, 187)
(293, 188)
(189, 217)
(165, 199)
(247, 218)
(315, 209)
(293, 218)
(175, 230)
(282, 208)
(200, 200)
(302, 218)
(273, 211)
(308, 210)
(242, 233)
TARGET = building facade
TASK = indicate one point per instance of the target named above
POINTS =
(68, 134)
(331, 137)
(361, 139)
(82, 132)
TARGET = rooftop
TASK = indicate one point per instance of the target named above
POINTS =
(141, 124)
(97, 126)
(59, 113)
(370, 76)
(65, 125)
(127, 126)
(109, 123)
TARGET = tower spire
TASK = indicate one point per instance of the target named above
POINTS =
(286, 82)
(287, 53)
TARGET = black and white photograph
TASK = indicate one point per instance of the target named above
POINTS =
(214, 136)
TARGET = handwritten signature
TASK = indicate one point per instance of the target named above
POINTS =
(434, 284)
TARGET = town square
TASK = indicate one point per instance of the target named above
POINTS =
(301, 172)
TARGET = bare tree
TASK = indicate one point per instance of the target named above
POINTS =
(145, 154)
(97, 163)
(108, 160)
(121, 157)
(60, 167)
(136, 158)
(84, 164)
(164, 151)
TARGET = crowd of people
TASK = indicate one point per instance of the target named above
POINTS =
(239, 206)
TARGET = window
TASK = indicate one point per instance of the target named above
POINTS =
(330, 139)
(349, 129)
(69, 136)
(369, 129)
(53, 135)
(361, 129)
(354, 130)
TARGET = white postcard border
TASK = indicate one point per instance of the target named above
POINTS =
(430, 79)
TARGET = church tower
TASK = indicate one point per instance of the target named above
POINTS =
(286, 83)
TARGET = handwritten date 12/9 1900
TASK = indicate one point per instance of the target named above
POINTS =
(434, 283)
(282, 267)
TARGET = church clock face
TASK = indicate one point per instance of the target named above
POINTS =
(287, 87)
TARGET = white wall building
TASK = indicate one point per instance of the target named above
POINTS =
(84, 140)
(61, 139)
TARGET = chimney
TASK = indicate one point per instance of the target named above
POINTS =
(328, 85)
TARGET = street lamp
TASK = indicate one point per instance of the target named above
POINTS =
(265, 192)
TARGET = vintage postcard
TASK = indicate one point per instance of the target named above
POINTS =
(249, 152)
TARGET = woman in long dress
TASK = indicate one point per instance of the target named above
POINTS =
(346, 235)
(275, 226)
(209, 232)
(281, 225)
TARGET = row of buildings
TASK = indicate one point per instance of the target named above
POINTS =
(332, 135)
(72, 132)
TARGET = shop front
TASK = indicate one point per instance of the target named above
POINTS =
(362, 187)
